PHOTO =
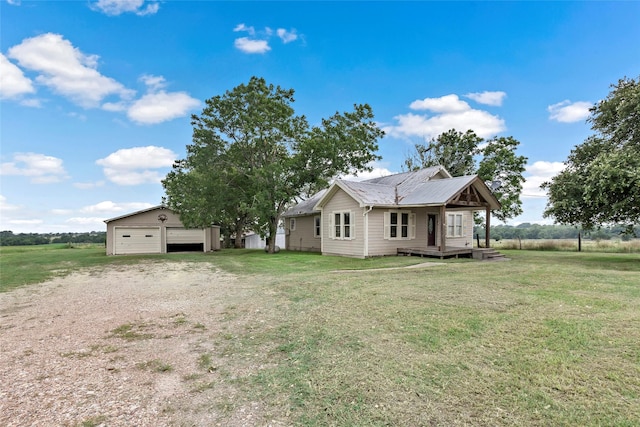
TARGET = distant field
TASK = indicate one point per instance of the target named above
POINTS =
(606, 246)
(547, 338)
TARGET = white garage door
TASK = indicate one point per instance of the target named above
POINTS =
(184, 236)
(129, 240)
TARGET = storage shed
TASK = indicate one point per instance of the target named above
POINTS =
(157, 230)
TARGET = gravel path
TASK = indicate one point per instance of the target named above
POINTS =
(122, 346)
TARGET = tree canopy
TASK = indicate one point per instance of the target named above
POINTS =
(494, 161)
(251, 156)
(600, 184)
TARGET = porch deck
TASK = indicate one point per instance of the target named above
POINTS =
(434, 252)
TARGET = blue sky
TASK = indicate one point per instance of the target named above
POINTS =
(96, 96)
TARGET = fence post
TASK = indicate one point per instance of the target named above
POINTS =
(579, 242)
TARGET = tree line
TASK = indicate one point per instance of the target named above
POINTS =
(537, 231)
(8, 238)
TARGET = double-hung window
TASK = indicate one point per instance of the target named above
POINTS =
(455, 225)
(342, 225)
(316, 226)
(399, 225)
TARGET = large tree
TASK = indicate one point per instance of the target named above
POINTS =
(600, 184)
(251, 156)
(495, 161)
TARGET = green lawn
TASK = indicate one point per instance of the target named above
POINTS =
(546, 339)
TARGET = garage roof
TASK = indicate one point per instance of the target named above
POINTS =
(137, 213)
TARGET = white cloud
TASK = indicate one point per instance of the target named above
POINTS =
(537, 173)
(154, 83)
(242, 27)
(33, 103)
(26, 221)
(40, 168)
(444, 104)
(252, 46)
(488, 98)
(5, 207)
(159, 107)
(134, 166)
(14, 2)
(88, 185)
(115, 107)
(117, 7)
(139, 157)
(66, 70)
(569, 112)
(61, 211)
(259, 43)
(13, 82)
(133, 177)
(93, 221)
(451, 113)
(109, 207)
(379, 170)
(287, 36)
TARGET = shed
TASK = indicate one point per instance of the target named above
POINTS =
(157, 230)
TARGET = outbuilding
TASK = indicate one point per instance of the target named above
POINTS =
(157, 230)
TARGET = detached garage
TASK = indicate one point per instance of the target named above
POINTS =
(157, 230)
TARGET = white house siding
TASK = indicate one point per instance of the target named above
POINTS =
(466, 241)
(254, 241)
(342, 202)
(302, 238)
(379, 246)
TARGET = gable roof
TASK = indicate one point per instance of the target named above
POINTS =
(153, 208)
(437, 192)
(432, 186)
(305, 207)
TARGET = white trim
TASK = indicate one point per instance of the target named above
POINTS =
(317, 227)
(342, 225)
(161, 238)
(455, 224)
(411, 225)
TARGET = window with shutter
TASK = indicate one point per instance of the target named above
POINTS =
(399, 225)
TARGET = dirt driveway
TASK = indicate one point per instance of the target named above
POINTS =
(122, 346)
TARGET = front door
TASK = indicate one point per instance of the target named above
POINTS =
(431, 230)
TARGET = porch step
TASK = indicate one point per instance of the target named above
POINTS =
(488, 255)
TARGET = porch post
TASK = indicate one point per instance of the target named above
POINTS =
(487, 234)
(443, 229)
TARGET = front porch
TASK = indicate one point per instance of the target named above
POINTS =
(435, 252)
(452, 252)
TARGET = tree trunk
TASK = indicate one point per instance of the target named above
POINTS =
(273, 231)
(239, 231)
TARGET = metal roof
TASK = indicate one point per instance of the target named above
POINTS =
(368, 193)
(432, 186)
(305, 207)
(437, 192)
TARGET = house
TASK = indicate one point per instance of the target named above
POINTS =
(252, 240)
(157, 230)
(425, 212)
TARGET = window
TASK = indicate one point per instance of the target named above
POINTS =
(342, 225)
(316, 226)
(399, 225)
(455, 225)
(292, 224)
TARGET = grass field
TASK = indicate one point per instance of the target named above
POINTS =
(587, 245)
(546, 339)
